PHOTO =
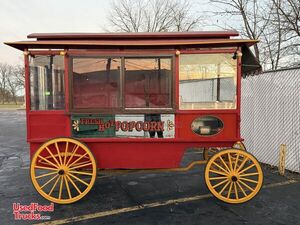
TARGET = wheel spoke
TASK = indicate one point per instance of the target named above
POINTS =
(54, 185)
(80, 172)
(248, 174)
(246, 185)
(80, 180)
(68, 188)
(235, 190)
(249, 180)
(249, 167)
(219, 184)
(242, 164)
(78, 159)
(230, 162)
(236, 162)
(80, 166)
(45, 168)
(74, 185)
(48, 182)
(218, 172)
(242, 189)
(220, 167)
(75, 148)
(58, 153)
(45, 175)
(52, 155)
(77, 164)
(229, 191)
(217, 178)
(66, 150)
(46, 160)
(223, 189)
(60, 187)
(222, 160)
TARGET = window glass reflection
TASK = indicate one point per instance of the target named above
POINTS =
(207, 81)
(207, 125)
(96, 83)
(148, 82)
(47, 82)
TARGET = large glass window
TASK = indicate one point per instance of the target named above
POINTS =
(148, 82)
(47, 82)
(96, 83)
(207, 81)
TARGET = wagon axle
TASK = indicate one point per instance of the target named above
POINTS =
(234, 178)
(61, 172)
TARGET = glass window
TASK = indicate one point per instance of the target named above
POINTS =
(96, 83)
(207, 81)
(148, 82)
(207, 125)
(47, 82)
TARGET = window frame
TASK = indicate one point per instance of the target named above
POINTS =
(30, 87)
(122, 108)
(209, 52)
(71, 90)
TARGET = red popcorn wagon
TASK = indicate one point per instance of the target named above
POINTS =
(109, 101)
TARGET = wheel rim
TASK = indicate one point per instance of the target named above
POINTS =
(233, 176)
(63, 170)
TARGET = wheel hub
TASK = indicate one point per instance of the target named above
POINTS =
(234, 178)
(61, 172)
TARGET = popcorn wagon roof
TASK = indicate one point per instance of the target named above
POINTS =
(161, 39)
(140, 40)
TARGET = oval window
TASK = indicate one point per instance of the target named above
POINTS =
(207, 125)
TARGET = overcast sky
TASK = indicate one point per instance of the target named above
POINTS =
(22, 17)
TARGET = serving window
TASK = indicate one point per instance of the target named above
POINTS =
(96, 83)
(207, 81)
(148, 82)
(121, 83)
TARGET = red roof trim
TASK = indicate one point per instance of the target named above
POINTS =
(131, 43)
(140, 35)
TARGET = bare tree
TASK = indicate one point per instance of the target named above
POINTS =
(19, 76)
(289, 11)
(12, 81)
(152, 16)
(4, 72)
(253, 14)
(289, 16)
(274, 22)
(15, 81)
(272, 40)
(12, 87)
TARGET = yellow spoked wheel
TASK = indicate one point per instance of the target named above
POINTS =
(233, 176)
(63, 170)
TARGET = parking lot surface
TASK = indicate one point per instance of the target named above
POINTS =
(139, 197)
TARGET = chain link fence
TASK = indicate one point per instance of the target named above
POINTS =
(271, 116)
